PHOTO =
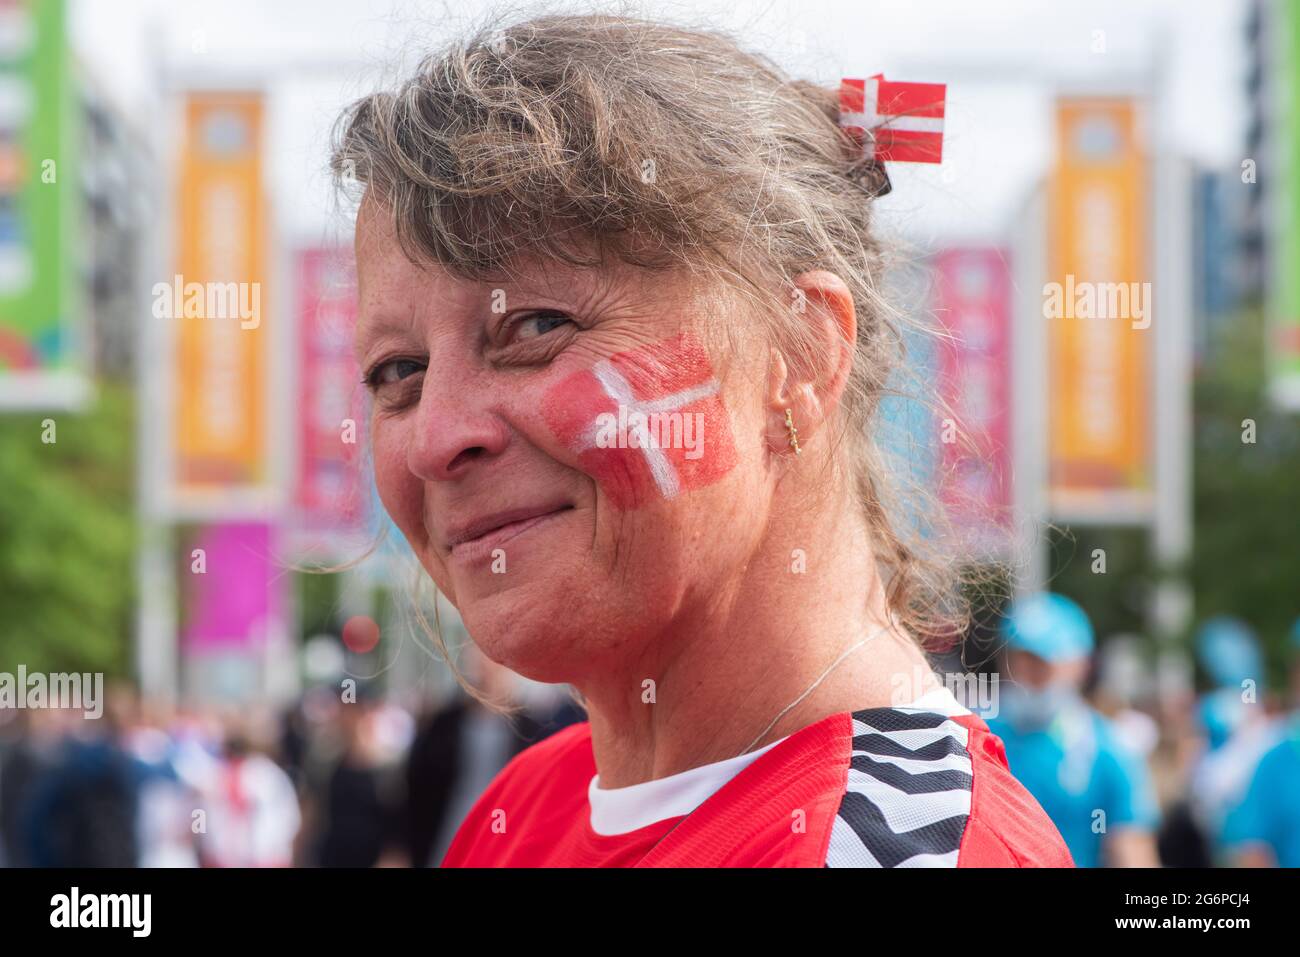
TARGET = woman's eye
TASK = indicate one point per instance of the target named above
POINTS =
(538, 324)
(395, 370)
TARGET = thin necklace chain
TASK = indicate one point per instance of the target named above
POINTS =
(784, 711)
(813, 687)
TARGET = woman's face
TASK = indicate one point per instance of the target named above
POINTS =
(570, 459)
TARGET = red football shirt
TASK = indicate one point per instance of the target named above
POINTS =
(919, 786)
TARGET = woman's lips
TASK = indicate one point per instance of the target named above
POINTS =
(479, 539)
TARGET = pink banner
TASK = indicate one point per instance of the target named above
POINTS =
(329, 491)
(974, 307)
(232, 585)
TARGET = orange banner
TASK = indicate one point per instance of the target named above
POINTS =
(1097, 303)
(216, 298)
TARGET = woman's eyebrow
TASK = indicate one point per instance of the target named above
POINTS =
(371, 326)
(544, 278)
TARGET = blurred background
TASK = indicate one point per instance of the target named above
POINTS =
(186, 513)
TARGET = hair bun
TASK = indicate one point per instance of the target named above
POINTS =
(860, 163)
(870, 174)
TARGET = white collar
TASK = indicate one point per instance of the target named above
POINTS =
(627, 809)
(623, 810)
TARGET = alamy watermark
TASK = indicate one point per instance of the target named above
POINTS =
(209, 300)
(130, 911)
(1098, 300)
(36, 690)
(636, 429)
(974, 691)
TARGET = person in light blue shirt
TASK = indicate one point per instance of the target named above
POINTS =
(1097, 793)
(1263, 830)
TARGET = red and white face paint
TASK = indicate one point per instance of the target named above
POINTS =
(647, 424)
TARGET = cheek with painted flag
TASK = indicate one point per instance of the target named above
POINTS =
(647, 424)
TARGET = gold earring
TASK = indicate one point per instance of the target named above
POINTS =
(794, 433)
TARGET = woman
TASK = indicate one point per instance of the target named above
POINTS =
(620, 318)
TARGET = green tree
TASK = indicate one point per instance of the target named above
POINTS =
(1247, 494)
(67, 537)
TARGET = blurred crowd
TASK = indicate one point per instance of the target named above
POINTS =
(340, 779)
(1134, 768)
(1133, 765)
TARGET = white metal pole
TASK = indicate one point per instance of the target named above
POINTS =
(156, 652)
(1029, 393)
(1170, 308)
(1171, 324)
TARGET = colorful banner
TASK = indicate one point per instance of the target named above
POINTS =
(973, 304)
(232, 587)
(1283, 351)
(329, 491)
(1097, 304)
(39, 187)
(216, 300)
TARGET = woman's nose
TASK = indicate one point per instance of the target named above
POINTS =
(453, 431)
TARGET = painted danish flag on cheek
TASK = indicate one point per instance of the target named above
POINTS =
(646, 424)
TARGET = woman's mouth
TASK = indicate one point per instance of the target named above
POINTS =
(478, 539)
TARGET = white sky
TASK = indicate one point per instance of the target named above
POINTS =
(1002, 59)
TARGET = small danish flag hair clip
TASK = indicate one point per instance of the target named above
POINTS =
(904, 120)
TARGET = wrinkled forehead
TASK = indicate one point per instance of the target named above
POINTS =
(475, 240)
(390, 280)
(380, 250)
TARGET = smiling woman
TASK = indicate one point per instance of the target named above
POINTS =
(579, 220)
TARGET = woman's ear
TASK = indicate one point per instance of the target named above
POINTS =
(811, 382)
